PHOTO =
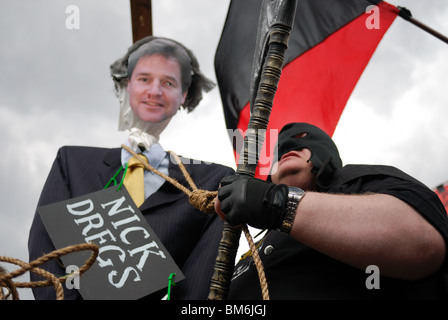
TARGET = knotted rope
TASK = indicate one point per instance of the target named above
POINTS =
(204, 201)
(6, 278)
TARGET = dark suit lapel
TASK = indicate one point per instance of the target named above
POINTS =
(168, 192)
(112, 162)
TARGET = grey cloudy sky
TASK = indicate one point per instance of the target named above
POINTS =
(56, 90)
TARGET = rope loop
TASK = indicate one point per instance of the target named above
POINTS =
(33, 266)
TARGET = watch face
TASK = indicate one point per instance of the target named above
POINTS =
(296, 190)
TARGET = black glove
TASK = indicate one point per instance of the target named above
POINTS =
(258, 203)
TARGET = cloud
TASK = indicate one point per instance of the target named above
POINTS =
(396, 113)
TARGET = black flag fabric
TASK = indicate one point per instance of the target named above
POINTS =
(330, 45)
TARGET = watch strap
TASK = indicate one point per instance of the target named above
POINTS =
(295, 195)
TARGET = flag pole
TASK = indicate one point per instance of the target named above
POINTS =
(141, 18)
(272, 41)
(406, 14)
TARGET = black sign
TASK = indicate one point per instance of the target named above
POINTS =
(132, 262)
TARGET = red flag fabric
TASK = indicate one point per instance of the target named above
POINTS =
(330, 45)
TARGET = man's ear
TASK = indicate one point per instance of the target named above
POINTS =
(184, 96)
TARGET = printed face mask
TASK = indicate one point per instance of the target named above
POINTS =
(324, 153)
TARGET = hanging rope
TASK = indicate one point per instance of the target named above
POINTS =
(200, 199)
(6, 278)
(204, 201)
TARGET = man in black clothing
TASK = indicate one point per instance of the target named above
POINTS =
(337, 232)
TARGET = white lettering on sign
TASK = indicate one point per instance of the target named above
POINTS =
(121, 243)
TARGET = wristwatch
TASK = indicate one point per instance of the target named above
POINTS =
(294, 197)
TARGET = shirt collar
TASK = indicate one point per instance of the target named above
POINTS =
(155, 154)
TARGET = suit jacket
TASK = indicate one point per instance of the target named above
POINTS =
(191, 237)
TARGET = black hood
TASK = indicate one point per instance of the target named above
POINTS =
(324, 153)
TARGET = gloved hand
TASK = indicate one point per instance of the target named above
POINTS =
(256, 202)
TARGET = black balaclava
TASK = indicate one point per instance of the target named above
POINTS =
(324, 153)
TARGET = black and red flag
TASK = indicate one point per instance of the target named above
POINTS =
(330, 45)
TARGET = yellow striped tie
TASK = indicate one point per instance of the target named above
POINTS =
(134, 181)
